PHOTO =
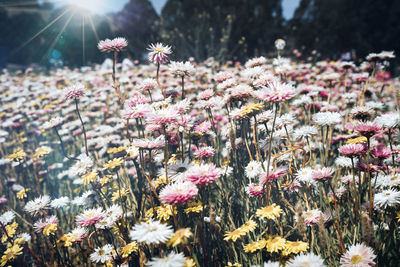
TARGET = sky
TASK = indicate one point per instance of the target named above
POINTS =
(289, 6)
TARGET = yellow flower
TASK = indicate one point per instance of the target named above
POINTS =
(19, 154)
(179, 237)
(10, 229)
(269, 212)
(159, 181)
(149, 213)
(250, 109)
(249, 226)
(116, 195)
(164, 213)
(19, 241)
(196, 207)
(274, 244)
(129, 248)
(50, 229)
(295, 247)
(41, 151)
(105, 180)
(257, 245)
(22, 193)
(114, 163)
(66, 240)
(90, 177)
(361, 139)
(233, 264)
(189, 263)
(10, 254)
(398, 216)
(115, 150)
(234, 235)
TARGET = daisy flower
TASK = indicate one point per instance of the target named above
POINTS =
(253, 169)
(159, 53)
(59, 202)
(181, 69)
(178, 193)
(151, 232)
(203, 173)
(327, 118)
(306, 260)
(74, 91)
(114, 45)
(102, 254)
(305, 132)
(90, 217)
(353, 150)
(275, 92)
(312, 216)
(358, 255)
(322, 174)
(270, 212)
(275, 244)
(37, 205)
(7, 217)
(172, 260)
(387, 198)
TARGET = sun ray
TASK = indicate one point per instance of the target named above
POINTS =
(93, 28)
(83, 40)
(40, 32)
(53, 44)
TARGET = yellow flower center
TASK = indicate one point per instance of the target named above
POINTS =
(159, 49)
(355, 259)
(101, 252)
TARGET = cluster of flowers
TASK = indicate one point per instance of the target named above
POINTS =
(270, 163)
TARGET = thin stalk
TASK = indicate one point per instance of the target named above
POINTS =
(83, 126)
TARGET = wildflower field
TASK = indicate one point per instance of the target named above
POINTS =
(172, 163)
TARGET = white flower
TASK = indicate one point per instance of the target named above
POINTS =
(59, 202)
(358, 255)
(27, 237)
(82, 166)
(345, 162)
(35, 206)
(280, 44)
(387, 198)
(388, 120)
(306, 260)
(152, 232)
(327, 118)
(253, 169)
(305, 175)
(254, 62)
(102, 254)
(181, 69)
(7, 217)
(172, 260)
(305, 132)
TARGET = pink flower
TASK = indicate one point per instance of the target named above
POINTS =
(381, 152)
(147, 85)
(205, 95)
(352, 150)
(312, 216)
(254, 190)
(203, 127)
(358, 255)
(204, 152)
(223, 76)
(158, 53)
(41, 224)
(275, 92)
(322, 174)
(162, 116)
(203, 174)
(272, 175)
(74, 91)
(178, 193)
(367, 129)
(90, 217)
(116, 45)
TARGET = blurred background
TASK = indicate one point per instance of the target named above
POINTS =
(65, 32)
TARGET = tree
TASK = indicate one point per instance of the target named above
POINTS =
(138, 22)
